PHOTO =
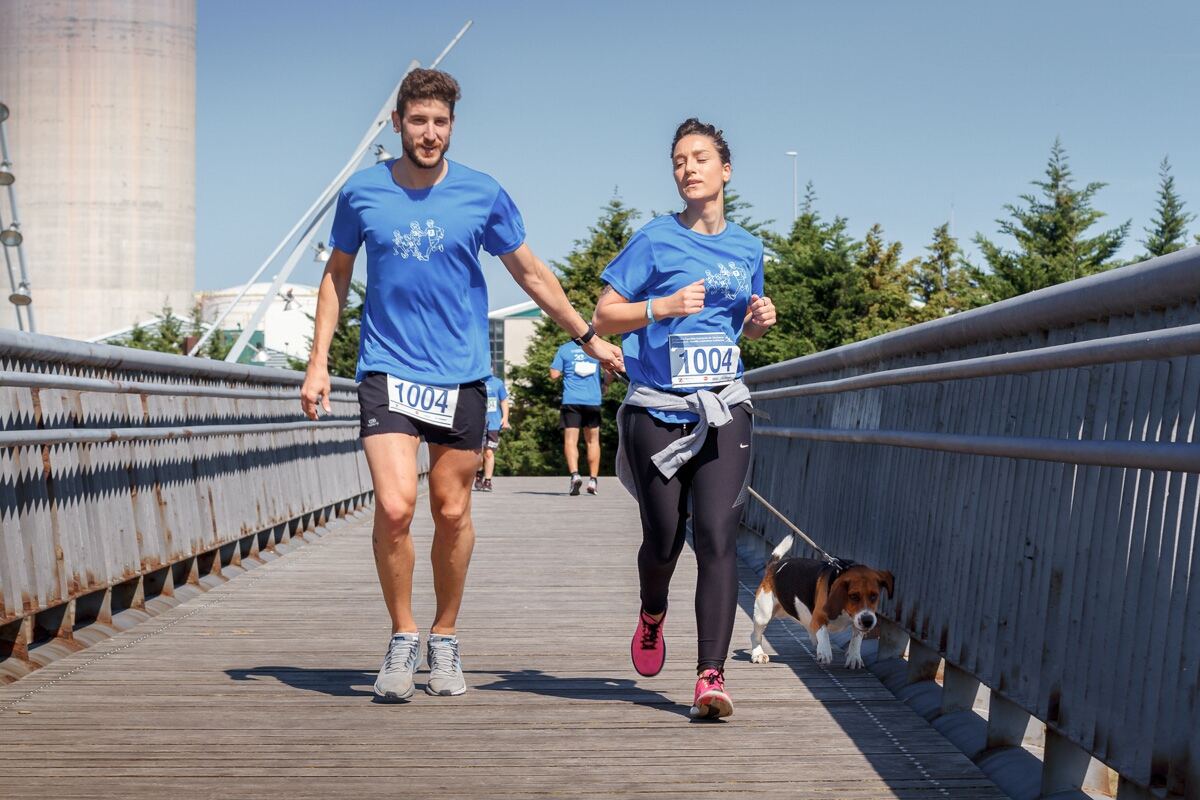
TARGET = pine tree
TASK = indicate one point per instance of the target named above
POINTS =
(1051, 247)
(942, 282)
(533, 446)
(1169, 231)
(883, 302)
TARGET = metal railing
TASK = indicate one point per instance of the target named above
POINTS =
(1028, 471)
(131, 479)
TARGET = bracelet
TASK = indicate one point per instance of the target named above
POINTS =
(650, 310)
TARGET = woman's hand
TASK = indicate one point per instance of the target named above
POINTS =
(760, 315)
(685, 302)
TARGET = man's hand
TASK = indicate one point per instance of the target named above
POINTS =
(609, 355)
(314, 390)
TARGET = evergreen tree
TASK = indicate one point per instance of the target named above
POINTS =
(1169, 231)
(883, 303)
(942, 282)
(218, 345)
(165, 337)
(533, 445)
(343, 347)
(1051, 247)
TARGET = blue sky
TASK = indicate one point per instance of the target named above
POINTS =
(902, 113)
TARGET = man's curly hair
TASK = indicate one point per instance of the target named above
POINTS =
(428, 84)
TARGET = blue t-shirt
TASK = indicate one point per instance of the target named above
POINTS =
(660, 259)
(495, 393)
(425, 314)
(581, 375)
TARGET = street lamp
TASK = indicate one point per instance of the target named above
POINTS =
(795, 198)
(381, 155)
(322, 254)
(11, 236)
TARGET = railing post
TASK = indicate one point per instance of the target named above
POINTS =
(1007, 723)
(893, 639)
(1065, 764)
(959, 689)
(923, 662)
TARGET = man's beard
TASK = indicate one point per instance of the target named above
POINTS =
(410, 150)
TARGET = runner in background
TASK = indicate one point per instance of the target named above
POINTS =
(497, 420)
(683, 291)
(584, 384)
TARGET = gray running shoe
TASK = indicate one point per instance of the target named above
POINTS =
(592, 486)
(575, 482)
(395, 681)
(445, 666)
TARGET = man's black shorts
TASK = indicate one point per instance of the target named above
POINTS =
(466, 433)
(576, 416)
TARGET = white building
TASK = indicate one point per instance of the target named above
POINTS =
(509, 331)
(287, 326)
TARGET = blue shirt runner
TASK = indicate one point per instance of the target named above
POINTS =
(581, 375)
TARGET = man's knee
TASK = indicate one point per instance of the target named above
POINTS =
(396, 511)
(451, 514)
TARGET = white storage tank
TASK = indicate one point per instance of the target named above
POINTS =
(102, 97)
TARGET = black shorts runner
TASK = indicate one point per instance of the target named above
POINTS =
(466, 433)
(577, 416)
(491, 440)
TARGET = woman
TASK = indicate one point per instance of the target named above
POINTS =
(682, 292)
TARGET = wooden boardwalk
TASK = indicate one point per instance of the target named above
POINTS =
(262, 687)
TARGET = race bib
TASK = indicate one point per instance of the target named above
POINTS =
(493, 405)
(432, 404)
(702, 359)
(585, 368)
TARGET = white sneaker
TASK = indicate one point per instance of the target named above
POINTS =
(445, 667)
(395, 681)
(575, 483)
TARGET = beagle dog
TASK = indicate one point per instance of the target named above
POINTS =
(824, 598)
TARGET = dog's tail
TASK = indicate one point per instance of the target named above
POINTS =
(783, 549)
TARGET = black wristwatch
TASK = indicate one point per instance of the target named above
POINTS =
(587, 336)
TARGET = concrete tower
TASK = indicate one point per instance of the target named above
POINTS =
(102, 134)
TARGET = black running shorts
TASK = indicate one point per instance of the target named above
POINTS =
(468, 429)
(576, 416)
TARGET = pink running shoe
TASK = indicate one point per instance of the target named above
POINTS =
(648, 649)
(712, 700)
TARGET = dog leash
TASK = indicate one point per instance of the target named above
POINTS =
(836, 562)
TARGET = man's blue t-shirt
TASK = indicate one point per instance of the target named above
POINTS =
(660, 259)
(581, 375)
(425, 314)
(496, 392)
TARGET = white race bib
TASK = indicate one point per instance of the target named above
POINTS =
(432, 404)
(585, 368)
(702, 359)
(493, 405)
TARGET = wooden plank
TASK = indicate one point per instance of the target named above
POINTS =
(262, 686)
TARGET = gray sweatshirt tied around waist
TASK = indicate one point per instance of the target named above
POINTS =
(712, 408)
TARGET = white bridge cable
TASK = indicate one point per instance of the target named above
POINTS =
(315, 214)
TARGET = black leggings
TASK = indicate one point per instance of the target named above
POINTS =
(716, 479)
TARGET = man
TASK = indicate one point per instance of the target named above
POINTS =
(497, 420)
(584, 383)
(423, 354)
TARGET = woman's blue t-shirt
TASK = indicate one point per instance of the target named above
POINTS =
(425, 314)
(662, 258)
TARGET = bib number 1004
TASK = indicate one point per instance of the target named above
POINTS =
(696, 362)
(432, 404)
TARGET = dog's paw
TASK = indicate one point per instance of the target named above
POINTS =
(854, 661)
(824, 654)
(759, 657)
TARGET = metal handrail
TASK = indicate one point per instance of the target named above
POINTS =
(37, 380)
(1153, 345)
(94, 435)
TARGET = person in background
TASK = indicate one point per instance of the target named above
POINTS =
(584, 384)
(497, 420)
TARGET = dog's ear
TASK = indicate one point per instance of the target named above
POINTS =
(887, 581)
(835, 604)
